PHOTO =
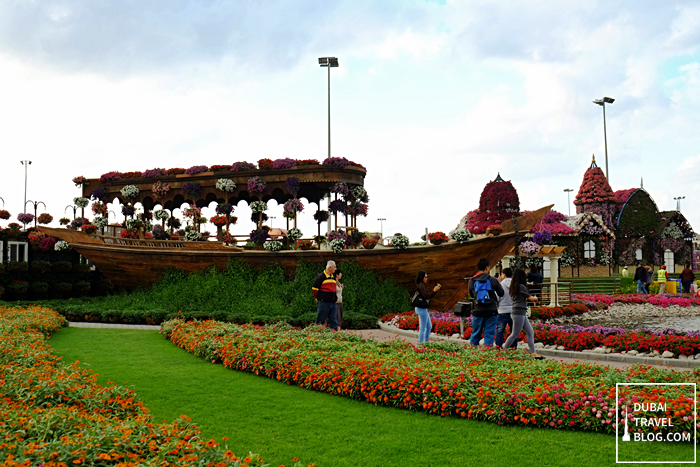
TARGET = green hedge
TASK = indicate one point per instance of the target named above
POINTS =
(240, 294)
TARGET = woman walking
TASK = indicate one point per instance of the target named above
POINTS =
(421, 303)
(520, 295)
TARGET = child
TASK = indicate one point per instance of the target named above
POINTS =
(339, 293)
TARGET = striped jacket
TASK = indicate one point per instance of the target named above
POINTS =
(324, 288)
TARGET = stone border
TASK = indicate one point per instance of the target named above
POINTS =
(585, 355)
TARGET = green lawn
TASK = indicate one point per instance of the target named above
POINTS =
(280, 421)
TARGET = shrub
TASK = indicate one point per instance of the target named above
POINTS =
(61, 266)
(17, 266)
(41, 267)
(39, 287)
(62, 287)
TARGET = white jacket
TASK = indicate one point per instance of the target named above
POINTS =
(505, 303)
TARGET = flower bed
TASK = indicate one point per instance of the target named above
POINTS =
(599, 301)
(571, 336)
(507, 388)
(55, 414)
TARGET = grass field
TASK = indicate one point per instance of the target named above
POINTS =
(280, 421)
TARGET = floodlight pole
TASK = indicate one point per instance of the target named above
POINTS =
(329, 110)
(25, 163)
(602, 102)
(568, 198)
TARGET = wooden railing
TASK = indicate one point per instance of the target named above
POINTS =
(600, 285)
(555, 294)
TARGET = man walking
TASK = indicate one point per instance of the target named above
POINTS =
(640, 277)
(324, 289)
(485, 290)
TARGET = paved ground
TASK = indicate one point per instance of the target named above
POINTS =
(383, 335)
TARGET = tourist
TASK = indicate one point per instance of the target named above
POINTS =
(505, 306)
(535, 280)
(520, 295)
(640, 277)
(650, 279)
(339, 293)
(324, 290)
(424, 325)
(687, 277)
(485, 313)
(625, 273)
(662, 277)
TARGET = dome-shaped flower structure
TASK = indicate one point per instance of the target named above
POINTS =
(596, 196)
(499, 201)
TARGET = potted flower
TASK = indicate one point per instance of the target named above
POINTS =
(47, 243)
(242, 166)
(256, 185)
(494, 230)
(226, 185)
(220, 168)
(438, 238)
(160, 190)
(220, 221)
(265, 164)
(197, 169)
(529, 248)
(80, 181)
(259, 236)
(64, 221)
(228, 239)
(369, 243)
(45, 218)
(130, 191)
(273, 246)
(153, 173)
(12, 229)
(399, 241)
(89, 229)
(25, 218)
(4, 214)
(192, 190)
(305, 244)
(461, 235)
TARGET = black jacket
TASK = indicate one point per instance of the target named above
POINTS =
(482, 310)
(640, 274)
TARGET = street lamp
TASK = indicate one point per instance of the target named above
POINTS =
(678, 202)
(568, 198)
(602, 102)
(272, 217)
(75, 208)
(25, 164)
(329, 62)
(381, 223)
(36, 205)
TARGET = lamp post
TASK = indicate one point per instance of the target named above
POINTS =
(272, 217)
(36, 205)
(602, 102)
(329, 62)
(74, 207)
(25, 164)
(381, 224)
(568, 198)
(678, 202)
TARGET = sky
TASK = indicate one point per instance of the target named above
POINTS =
(434, 98)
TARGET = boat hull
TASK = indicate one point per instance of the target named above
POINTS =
(142, 263)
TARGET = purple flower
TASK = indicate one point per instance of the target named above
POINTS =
(339, 162)
(224, 209)
(338, 206)
(25, 217)
(197, 169)
(284, 163)
(192, 189)
(151, 173)
(256, 185)
(241, 166)
(99, 194)
(541, 237)
(293, 185)
(293, 205)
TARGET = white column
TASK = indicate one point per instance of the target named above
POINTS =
(554, 278)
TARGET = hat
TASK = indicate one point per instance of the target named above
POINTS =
(663, 267)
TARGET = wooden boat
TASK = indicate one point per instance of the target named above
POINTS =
(133, 263)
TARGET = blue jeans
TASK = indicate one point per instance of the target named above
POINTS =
(485, 325)
(327, 310)
(504, 320)
(424, 324)
(640, 286)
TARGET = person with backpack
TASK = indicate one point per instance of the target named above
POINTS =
(421, 301)
(520, 295)
(486, 291)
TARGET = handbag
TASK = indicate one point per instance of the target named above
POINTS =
(418, 301)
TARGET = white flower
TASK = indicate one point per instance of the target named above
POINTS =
(337, 245)
(133, 223)
(193, 236)
(258, 206)
(400, 242)
(81, 202)
(294, 234)
(461, 235)
(100, 222)
(358, 192)
(130, 191)
(224, 184)
(61, 245)
(272, 245)
(161, 214)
